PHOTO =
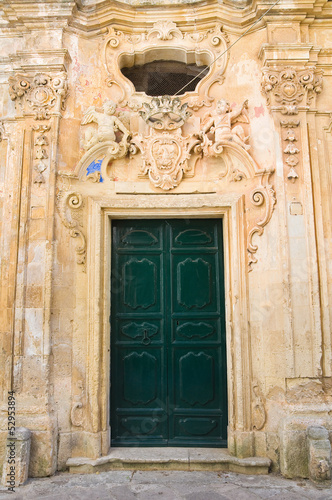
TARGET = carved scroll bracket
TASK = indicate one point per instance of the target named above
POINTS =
(262, 196)
(69, 203)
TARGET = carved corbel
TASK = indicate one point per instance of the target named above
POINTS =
(40, 94)
(69, 203)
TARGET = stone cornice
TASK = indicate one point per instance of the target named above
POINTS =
(95, 16)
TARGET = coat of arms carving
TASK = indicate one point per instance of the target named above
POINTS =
(165, 151)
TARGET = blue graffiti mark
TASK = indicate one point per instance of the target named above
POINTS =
(95, 166)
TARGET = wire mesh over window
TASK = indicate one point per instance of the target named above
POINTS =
(160, 78)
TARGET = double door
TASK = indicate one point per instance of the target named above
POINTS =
(168, 345)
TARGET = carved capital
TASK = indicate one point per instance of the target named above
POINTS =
(39, 94)
(288, 88)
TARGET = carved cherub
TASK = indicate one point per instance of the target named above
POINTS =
(222, 120)
(108, 125)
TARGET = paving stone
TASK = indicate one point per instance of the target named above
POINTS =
(123, 493)
(166, 485)
(158, 493)
(204, 495)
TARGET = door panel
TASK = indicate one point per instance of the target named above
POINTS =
(168, 360)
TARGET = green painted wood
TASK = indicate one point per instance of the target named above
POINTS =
(168, 343)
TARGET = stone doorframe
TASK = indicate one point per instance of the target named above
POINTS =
(230, 207)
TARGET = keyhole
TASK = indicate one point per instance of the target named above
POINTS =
(146, 340)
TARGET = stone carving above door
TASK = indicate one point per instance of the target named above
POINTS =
(165, 41)
(166, 143)
(166, 151)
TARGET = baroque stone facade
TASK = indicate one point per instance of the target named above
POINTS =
(252, 144)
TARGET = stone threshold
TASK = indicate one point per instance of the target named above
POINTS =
(184, 459)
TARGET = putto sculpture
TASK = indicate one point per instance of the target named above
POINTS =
(108, 125)
(221, 123)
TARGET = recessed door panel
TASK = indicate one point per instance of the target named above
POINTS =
(168, 363)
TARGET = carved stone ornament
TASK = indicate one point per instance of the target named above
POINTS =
(39, 94)
(108, 137)
(288, 88)
(258, 407)
(291, 150)
(203, 47)
(40, 152)
(68, 203)
(165, 152)
(76, 412)
(165, 113)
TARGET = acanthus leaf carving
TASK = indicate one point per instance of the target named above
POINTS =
(40, 94)
(288, 87)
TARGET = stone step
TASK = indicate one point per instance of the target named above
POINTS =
(186, 459)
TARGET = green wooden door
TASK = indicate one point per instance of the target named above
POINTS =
(168, 345)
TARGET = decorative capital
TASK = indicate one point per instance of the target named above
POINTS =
(40, 94)
(287, 88)
(165, 113)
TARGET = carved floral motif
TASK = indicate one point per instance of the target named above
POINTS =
(40, 94)
(288, 87)
(291, 151)
(40, 152)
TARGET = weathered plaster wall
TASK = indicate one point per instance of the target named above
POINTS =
(54, 319)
